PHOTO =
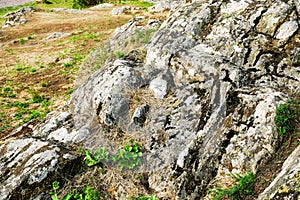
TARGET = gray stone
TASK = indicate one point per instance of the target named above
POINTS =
(101, 6)
(212, 78)
(72, 11)
(287, 29)
(17, 17)
(121, 10)
(57, 35)
(24, 162)
(160, 87)
(139, 115)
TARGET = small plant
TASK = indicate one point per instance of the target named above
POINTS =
(7, 92)
(240, 190)
(88, 193)
(129, 157)
(67, 65)
(36, 98)
(92, 159)
(126, 158)
(286, 117)
(21, 40)
(119, 54)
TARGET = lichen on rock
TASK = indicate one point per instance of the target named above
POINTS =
(212, 76)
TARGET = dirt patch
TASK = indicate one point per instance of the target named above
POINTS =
(37, 73)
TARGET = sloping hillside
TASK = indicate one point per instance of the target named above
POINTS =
(202, 105)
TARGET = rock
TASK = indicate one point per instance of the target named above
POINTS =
(101, 6)
(200, 96)
(57, 35)
(286, 184)
(17, 17)
(72, 11)
(139, 115)
(161, 6)
(286, 30)
(121, 10)
(160, 87)
(26, 162)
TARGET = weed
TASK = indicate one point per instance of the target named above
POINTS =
(141, 4)
(20, 67)
(22, 41)
(129, 157)
(67, 65)
(243, 188)
(87, 193)
(68, 93)
(43, 84)
(286, 117)
(36, 98)
(92, 159)
(7, 92)
(18, 104)
(126, 158)
(119, 54)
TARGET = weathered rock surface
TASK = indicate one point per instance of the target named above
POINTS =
(161, 6)
(201, 98)
(286, 184)
(17, 17)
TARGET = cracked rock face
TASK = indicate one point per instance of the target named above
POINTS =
(210, 81)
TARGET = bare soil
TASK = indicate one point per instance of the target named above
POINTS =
(33, 66)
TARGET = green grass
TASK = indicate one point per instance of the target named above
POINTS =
(47, 7)
(243, 187)
(137, 3)
(287, 115)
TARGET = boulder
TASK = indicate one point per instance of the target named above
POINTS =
(17, 17)
(200, 96)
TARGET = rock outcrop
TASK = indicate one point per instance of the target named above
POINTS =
(17, 17)
(200, 97)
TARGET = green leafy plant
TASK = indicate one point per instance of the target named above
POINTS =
(7, 92)
(21, 40)
(92, 159)
(88, 193)
(127, 158)
(244, 186)
(286, 117)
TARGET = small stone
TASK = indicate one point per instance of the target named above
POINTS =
(139, 115)
(159, 86)
(287, 29)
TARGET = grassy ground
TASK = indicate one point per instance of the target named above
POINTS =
(36, 73)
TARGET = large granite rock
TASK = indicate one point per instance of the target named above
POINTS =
(200, 97)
